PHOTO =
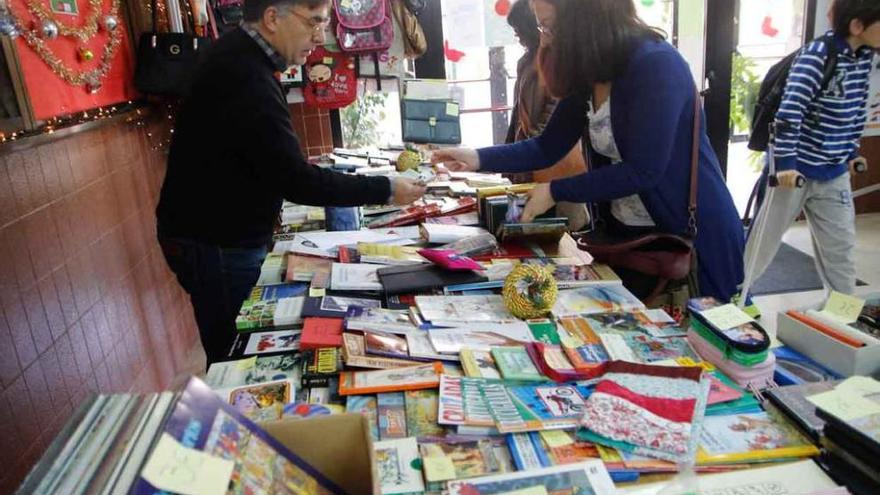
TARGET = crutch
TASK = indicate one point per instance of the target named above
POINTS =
(760, 222)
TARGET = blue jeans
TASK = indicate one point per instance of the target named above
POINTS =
(217, 280)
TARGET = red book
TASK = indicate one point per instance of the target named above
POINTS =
(321, 332)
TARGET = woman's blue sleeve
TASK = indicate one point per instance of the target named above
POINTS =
(565, 127)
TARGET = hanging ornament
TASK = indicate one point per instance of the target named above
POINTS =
(109, 23)
(48, 30)
(767, 27)
(84, 54)
(502, 7)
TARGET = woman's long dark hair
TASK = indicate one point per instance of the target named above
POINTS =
(523, 22)
(592, 42)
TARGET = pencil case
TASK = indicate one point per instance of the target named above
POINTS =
(730, 352)
(743, 340)
(755, 377)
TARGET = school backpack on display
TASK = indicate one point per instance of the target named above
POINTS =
(772, 89)
(330, 79)
(364, 26)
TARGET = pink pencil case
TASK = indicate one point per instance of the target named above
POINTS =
(755, 377)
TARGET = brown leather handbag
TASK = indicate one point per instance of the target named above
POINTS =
(667, 257)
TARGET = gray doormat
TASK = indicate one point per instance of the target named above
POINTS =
(791, 270)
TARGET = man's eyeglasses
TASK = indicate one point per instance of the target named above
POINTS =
(316, 23)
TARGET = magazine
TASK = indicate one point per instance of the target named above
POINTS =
(587, 477)
(397, 466)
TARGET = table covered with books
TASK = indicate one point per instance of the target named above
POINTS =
(404, 323)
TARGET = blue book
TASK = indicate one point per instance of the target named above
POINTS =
(793, 368)
(201, 420)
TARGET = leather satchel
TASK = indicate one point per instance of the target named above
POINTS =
(431, 121)
(662, 255)
(166, 61)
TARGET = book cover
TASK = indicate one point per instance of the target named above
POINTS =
(261, 401)
(650, 349)
(444, 461)
(792, 400)
(423, 278)
(449, 311)
(272, 342)
(544, 330)
(354, 276)
(397, 464)
(556, 405)
(524, 452)
(277, 306)
(321, 332)
(410, 378)
(259, 369)
(482, 336)
(386, 344)
(514, 363)
(367, 406)
(319, 365)
(596, 299)
(585, 349)
(462, 403)
(754, 437)
(628, 323)
(587, 477)
(354, 353)
(421, 413)
(385, 320)
(391, 409)
(335, 306)
(420, 347)
(201, 420)
(479, 364)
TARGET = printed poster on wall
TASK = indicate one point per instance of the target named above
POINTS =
(872, 112)
(458, 26)
(497, 31)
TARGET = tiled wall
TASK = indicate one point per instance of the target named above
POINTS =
(87, 301)
(312, 125)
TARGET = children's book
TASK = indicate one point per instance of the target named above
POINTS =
(596, 299)
(754, 437)
(392, 415)
(479, 364)
(250, 371)
(542, 407)
(514, 363)
(410, 378)
(202, 421)
(386, 344)
(421, 413)
(321, 332)
(397, 465)
(385, 320)
(272, 342)
(587, 477)
(581, 344)
(261, 401)
(354, 353)
(650, 349)
(445, 461)
(632, 322)
(368, 407)
(462, 403)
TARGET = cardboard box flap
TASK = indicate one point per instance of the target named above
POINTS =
(339, 446)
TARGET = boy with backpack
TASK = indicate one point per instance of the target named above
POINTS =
(819, 122)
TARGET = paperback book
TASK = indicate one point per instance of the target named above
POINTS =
(527, 454)
(261, 401)
(335, 306)
(452, 311)
(392, 415)
(479, 337)
(319, 365)
(276, 342)
(479, 364)
(420, 347)
(367, 406)
(462, 403)
(410, 378)
(534, 407)
(258, 369)
(514, 363)
(304, 268)
(354, 277)
(421, 413)
(397, 464)
(354, 353)
(385, 320)
(444, 461)
(587, 477)
(321, 332)
(596, 299)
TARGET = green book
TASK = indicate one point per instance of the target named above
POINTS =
(515, 364)
(544, 330)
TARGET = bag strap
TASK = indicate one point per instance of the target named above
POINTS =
(695, 163)
(155, 13)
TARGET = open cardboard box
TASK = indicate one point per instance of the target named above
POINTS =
(339, 446)
(842, 358)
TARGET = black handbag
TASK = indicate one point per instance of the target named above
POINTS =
(166, 61)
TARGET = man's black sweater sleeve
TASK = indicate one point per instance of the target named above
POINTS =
(281, 166)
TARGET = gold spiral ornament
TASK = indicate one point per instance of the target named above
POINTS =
(530, 291)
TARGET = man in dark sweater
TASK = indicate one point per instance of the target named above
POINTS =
(234, 158)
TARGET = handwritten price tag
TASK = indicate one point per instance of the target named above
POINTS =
(726, 317)
(843, 307)
(175, 468)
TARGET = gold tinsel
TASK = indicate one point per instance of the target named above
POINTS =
(530, 291)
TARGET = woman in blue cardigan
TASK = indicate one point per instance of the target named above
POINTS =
(636, 94)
